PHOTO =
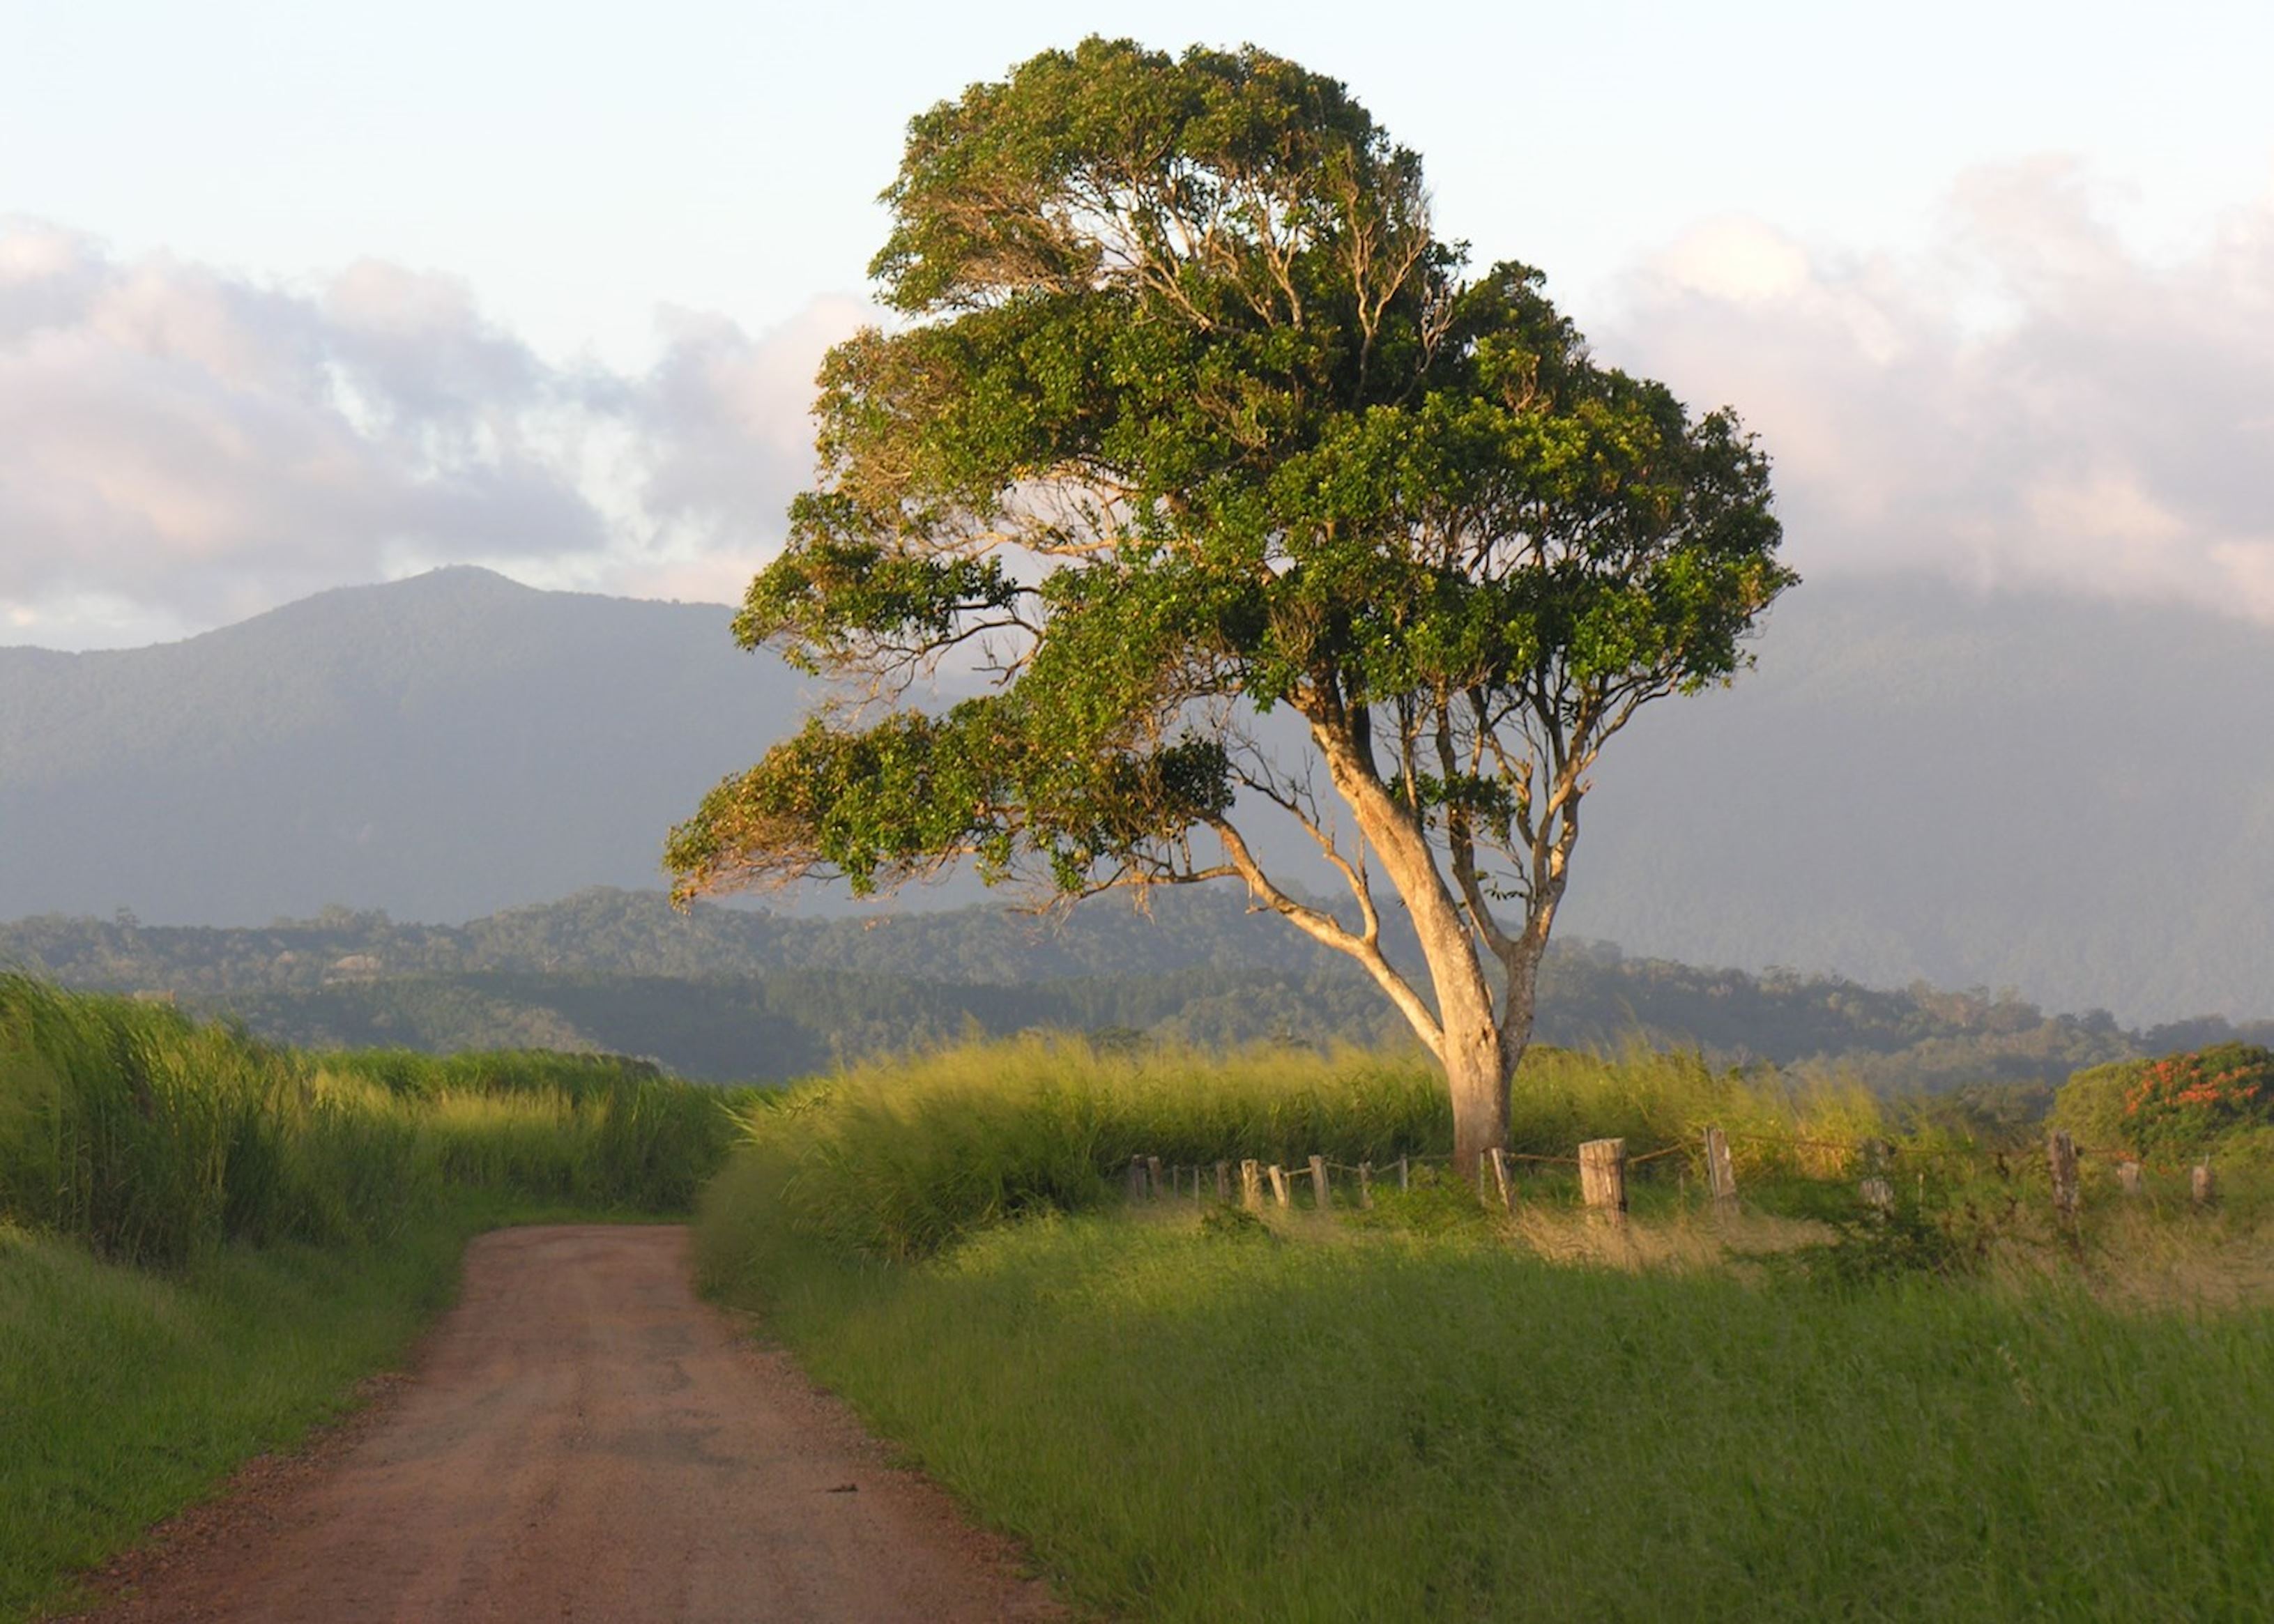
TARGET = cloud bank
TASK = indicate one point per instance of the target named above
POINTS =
(187, 445)
(2027, 403)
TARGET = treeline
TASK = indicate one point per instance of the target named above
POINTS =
(729, 994)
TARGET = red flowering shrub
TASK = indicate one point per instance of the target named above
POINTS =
(2179, 1104)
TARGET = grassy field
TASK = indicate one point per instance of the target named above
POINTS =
(1423, 1411)
(207, 1242)
(1419, 1410)
(900, 1158)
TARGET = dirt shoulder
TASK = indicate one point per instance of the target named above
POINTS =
(582, 1439)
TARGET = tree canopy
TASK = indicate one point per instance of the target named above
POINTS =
(1188, 417)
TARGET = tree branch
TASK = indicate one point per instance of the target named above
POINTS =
(1329, 931)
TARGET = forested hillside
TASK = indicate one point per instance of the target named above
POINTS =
(724, 993)
(1917, 784)
(440, 746)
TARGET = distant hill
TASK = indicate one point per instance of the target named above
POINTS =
(2070, 799)
(728, 995)
(441, 747)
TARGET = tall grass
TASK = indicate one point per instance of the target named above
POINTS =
(153, 1137)
(900, 1158)
(1190, 1419)
(205, 1239)
(1425, 1412)
(594, 1129)
(125, 1393)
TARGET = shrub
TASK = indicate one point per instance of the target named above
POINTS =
(2177, 1106)
(2183, 1102)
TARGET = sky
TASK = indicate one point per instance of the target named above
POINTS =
(294, 296)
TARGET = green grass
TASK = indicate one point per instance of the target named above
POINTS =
(126, 1394)
(206, 1241)
(1425, 1412)
(154, 1139)
(900, 1159)
(1194, 1420)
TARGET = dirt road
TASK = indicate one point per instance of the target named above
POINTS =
(582, 1439)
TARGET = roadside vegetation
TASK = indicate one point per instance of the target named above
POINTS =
(1427, 1409)
(898, 1158)
(1414, 1404)
(206, 1242)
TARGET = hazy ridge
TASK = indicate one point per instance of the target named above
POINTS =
(2070, 799)
(729, 994)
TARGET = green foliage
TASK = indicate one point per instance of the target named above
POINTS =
(2179, 1105)
(899, 1160)
(1870, 1247)
(412, 1074)
(734, 994)
(1383, 1426)
(1183, 340)
(154, 1138)
(1435, 1203)
(205, 1239)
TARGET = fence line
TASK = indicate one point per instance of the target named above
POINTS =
(1603, 1165)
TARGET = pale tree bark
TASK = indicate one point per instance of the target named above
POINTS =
(1484, 975)
(1472, 1035)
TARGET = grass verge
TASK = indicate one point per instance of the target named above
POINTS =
(899, 1158)
(1195, 1418)
(207, 1242)
(126, 1394)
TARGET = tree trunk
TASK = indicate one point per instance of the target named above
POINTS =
(1477, 1074)
(1481, 1055)
(1478, 1039)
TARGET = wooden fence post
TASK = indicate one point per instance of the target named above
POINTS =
(1153, 1175)
(1501, 1179)
(1224, 1182)
(1366, 1184)
(1878, 1189)
(1279, 1185)
(1603, 1177)
(1720, 1173)
(1404, 1174)
(2128, 1178)
(2200, 1183)
(1320, 1194)
(2060, 1161)
(1135, 1182)
(1251, 1186)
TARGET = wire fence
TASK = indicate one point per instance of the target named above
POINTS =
(1604, 1164)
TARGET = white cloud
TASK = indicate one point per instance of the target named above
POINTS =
(187, 445)
(2031, 403)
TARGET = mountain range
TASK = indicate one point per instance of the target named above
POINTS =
(441, 747)
(2070, 799)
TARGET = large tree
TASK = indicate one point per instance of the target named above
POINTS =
(1191, 417)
